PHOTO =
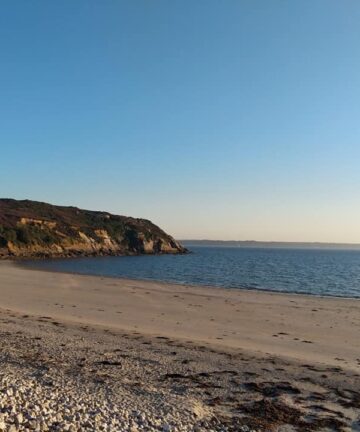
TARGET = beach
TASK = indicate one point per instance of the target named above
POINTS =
(176, 357)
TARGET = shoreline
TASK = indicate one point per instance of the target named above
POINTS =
(253, 320)
(157, 281)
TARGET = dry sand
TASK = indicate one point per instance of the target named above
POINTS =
(267, 360)
(306, 328)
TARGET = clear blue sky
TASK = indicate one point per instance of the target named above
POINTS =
(223, 119)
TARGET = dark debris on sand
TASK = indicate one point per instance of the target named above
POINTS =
(234, 390)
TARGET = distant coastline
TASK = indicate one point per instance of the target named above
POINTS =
(270, 244)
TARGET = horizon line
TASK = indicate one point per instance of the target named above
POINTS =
(271, 242)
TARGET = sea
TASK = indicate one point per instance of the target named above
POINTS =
(320, 272)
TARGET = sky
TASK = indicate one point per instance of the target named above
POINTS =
(216, 119)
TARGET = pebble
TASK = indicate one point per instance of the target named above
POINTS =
(35, 399)
(70, 406)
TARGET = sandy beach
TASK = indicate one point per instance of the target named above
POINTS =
(218, 357)
(306, 328)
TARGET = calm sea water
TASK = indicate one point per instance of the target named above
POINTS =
(318, 272)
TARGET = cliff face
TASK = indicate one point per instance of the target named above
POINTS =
(31, 229)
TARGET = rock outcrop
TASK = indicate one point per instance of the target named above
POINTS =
(30, 229)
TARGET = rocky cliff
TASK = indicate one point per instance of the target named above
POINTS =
(31, 229)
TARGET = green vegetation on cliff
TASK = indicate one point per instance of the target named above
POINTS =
(34, 229)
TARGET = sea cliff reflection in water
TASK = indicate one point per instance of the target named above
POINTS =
(310, 271)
